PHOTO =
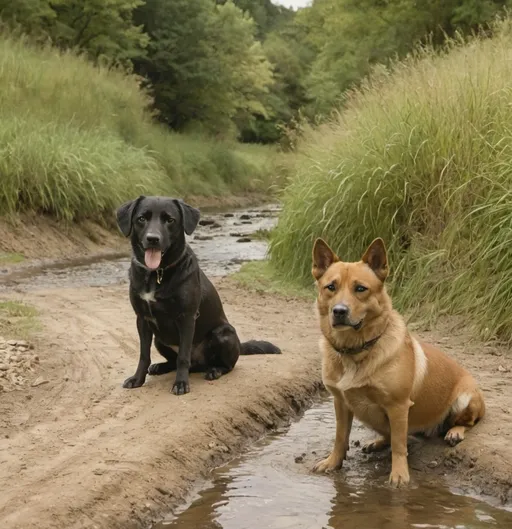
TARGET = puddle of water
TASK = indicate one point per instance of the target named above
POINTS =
(217, 248)
(271, 487)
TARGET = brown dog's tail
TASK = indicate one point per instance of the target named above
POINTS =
(255, 347)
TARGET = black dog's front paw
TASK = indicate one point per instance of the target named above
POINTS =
(180, 387)
(213, 373)
(134, 382)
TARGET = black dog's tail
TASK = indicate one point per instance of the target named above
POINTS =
(254, 347)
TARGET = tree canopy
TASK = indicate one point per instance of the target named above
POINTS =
(246, 67)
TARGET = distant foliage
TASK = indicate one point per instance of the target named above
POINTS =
(350, 36)
(247, 68)
(102, 28)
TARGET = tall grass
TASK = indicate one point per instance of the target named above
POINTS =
(421, 156)
(76, 140)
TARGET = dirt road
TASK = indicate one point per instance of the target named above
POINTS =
(78, 451)
(81, 452)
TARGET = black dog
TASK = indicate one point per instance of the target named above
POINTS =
(173, 299)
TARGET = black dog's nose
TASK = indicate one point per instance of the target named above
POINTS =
(340, 310)
(153, 238)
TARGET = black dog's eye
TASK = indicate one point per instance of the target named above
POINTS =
(360, 288)
(169, 220)
(331, 287)
(141, 219)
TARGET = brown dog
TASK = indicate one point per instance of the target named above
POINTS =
(377, 371)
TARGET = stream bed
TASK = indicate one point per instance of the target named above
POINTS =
(271, 486)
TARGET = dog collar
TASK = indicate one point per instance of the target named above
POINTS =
(360, 349)
(160, 271)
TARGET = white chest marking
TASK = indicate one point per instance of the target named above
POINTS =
(148, 296)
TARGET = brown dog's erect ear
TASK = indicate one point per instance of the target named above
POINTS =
(323, 257)
(189, 215)
(376, 258)
(125, 215)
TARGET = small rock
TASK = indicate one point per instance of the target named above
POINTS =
(98, 471)
(163, 491)
(357, 443)
(433, 464)
(39, 381)
(12, 342)
(203, 237)
(246, 222)
(245, 217)
(215, 225)
(212, 444)
(22, 343)
(299, 459)
(4, 367)
(243, 239)
(228, 215)
(502, 369)
(236, 234)
(206, 222)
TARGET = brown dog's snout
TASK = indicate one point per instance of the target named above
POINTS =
(340, 313)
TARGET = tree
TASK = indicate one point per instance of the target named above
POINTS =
(102, 28)
(33, 16)
(350, 36)
(204, 64)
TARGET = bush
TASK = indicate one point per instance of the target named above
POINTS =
(421, 156)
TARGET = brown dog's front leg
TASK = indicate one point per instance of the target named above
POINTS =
(398, 420)
(186, 329)
(343, 426)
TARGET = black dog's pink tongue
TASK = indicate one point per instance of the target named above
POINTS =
(152, 258)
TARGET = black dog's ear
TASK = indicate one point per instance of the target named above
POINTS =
(189, 215)
(125, 215)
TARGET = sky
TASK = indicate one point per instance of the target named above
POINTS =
(292, 3)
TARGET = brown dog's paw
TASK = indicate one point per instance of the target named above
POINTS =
(376, 446)
(328, 464)
(133, 382)
(180, 388)
(399, 477)
(455, 435)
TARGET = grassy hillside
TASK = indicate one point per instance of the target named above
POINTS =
(421, 156)
(76, 140)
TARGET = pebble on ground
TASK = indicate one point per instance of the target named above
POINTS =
(17, 364)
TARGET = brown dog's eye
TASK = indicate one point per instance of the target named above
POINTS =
(331, 287)
(360, 288)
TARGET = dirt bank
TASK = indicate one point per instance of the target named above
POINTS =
(78, 451)
(35, 237)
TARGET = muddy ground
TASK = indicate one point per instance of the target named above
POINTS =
(78, 451)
